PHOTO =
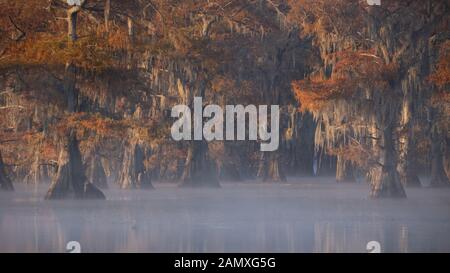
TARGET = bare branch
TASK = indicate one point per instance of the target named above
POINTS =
(22, 33)
(12, 106)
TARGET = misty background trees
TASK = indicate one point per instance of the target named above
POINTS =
(363, 91)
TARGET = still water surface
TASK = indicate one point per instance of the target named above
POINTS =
(304, 215)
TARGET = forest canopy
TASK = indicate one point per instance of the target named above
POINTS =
(363, 91)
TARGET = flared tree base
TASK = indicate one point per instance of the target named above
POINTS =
(71, 181)
(386, 184)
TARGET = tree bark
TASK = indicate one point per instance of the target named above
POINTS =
(229, 167)
(344, 170)
(207, 22)
(71, 181)
(70, 72)
(72, 15)
(96, 172)
(408, 173)
(106, 14)
(385, 181)
(133, 173)
(38, 172)
(270, 168)
(300, 148)
(200, 169)
(131, 37)
(407, 162)
(447, 157)
(70, 91)
(439, 177)
(229, 171)
(5, 181)
(130, 25)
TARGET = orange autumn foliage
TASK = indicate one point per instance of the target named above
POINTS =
(441, 76)
(86, 123)
(313, 94)
(352, 72)
(356, 153)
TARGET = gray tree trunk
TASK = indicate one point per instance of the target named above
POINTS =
(407, 158)
(70, 91)
(72, 15)
(229, 167)
(439, 177)
(408, 172)
(385, 181)
(96, 173)
(107, 13)
(133, 174)
(270, 169)
(5, 181)
(344, 170)
(71, 181)
(38, 173)
(447, 157)
(200, 170)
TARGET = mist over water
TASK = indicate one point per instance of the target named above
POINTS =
(303, 215)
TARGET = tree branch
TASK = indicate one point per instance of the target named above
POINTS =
(22, 33)
(12, 106)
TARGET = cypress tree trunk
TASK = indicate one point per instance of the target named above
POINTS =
(96, 172)
(305, 146)
(407, 157)
(5, 181)
(385, 181)
(72, 15)
(38, 173)
(133, 173)
(200, 169)
(70, 71)
(131, 37)
(106, 14)
(299, 149)
(344, 170)
(439, 177)
(411, 179)
(229, 171)
(276, 172)
(71, 181)
(447, 157)
(229, 167)
(270, 168)
(70, 91)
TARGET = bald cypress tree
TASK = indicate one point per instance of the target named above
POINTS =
(71, 180)
(5, 181)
